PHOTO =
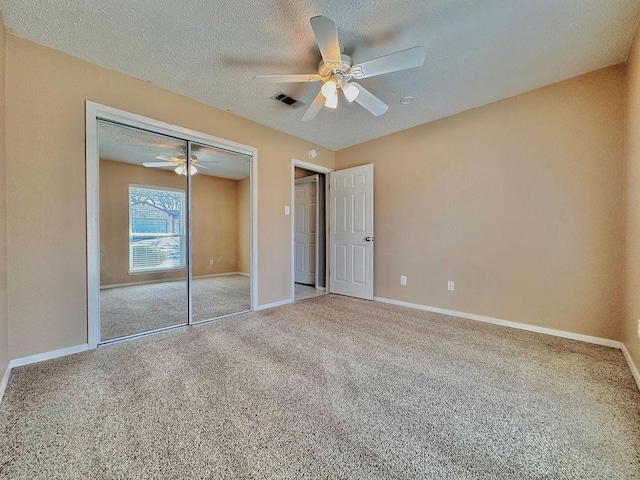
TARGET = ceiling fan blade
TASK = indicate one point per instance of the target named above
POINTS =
(165, 158)
(369, 101)
(326, 34)
(159, 164)
(314, 108)
(305, 77)
(410, 58)
(206, 168)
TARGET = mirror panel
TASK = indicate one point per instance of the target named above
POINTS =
(220, 233)
(143, 243)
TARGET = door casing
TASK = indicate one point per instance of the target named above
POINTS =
(318, 169)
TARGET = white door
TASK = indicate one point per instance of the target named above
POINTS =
(305, 230)
(351, 232)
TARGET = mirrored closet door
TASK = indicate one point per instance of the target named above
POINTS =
(175, 232)
(220, 233)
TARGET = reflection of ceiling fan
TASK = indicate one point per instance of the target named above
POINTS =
(336, 70)
(179, 162)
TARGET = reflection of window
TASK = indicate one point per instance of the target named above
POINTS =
(156, 228)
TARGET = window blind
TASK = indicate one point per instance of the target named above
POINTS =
(156, 228)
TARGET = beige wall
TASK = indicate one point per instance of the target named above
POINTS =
(46, 91)
(4, 322)
(115, 178)
(519, 202)
(632, 250)
(214, 214)
(215, 225)
(244, 225)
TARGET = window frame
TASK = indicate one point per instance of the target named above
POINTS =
(182, 235)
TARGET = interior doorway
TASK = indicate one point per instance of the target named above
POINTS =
(309, 230)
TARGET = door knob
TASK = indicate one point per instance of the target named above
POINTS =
(368, 239)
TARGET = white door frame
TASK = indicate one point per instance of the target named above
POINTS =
(317, 169)
(95, 111)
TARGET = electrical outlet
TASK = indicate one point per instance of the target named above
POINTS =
(287, 210)
(211, 261)
(451, 286)
(403, 280)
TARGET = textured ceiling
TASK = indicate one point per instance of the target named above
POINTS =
(478, 51)
(130, 145)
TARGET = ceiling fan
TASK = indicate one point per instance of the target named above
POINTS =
(336, 71)
(179, 162)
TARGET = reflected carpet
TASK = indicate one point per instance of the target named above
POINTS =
(142, 308)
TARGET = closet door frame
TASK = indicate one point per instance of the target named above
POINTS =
(93, 113)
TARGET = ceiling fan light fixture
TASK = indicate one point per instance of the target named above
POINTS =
(329, 89)
(336, 69)
(182, 170)
(351, 91)
(332, 101)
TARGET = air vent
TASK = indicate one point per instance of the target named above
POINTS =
(287, 100)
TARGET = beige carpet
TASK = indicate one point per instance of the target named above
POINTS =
(328, 387)
(142, 308)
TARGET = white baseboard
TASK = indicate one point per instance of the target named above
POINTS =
(5, 380)
(322, 289)
(166, 280)
(142, 282)
(506, 323)
(632, 366)
(274, 304)
(18, 362)
(225, 274)
(41, 357)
